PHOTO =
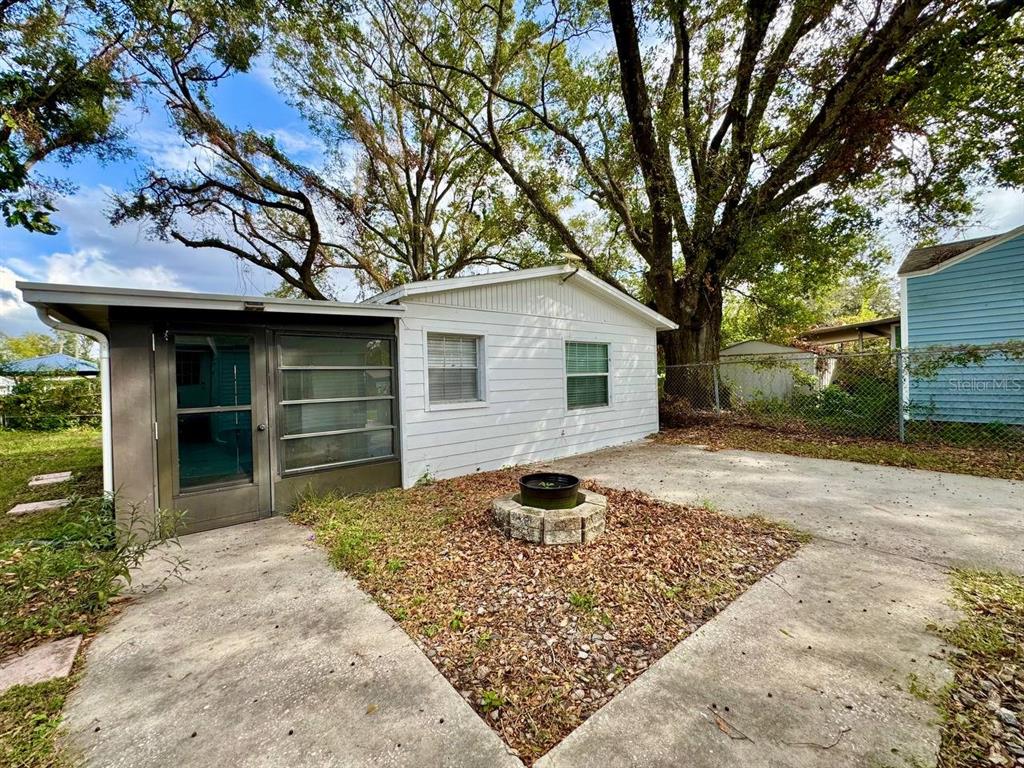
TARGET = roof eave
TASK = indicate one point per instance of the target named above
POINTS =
(49, 294)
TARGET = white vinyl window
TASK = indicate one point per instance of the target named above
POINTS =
(586, 374)
(453, 368)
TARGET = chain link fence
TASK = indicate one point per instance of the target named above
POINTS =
(962, 396)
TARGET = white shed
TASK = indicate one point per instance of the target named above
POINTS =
(762, 370)
(514, 367)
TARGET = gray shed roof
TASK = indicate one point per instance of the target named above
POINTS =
(933, 255)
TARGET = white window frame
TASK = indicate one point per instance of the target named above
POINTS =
(481, 369)
(565, 375)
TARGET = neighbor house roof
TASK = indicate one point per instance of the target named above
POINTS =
(598, 285)
(90, 305)
(49, 364)
(834, 334)
(932, 256)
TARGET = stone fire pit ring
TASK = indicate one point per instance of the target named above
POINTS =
(577, 525)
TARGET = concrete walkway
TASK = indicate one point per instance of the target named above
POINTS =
(812, 666)
(266, 657)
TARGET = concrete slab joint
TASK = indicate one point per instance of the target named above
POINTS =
(579, 525)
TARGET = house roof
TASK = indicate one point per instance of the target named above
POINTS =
(90, 305)
(833, 334)
(602, 288)
(47, 364)
(932, 257)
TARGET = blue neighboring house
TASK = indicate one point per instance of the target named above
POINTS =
(967, 292)
(51, 365)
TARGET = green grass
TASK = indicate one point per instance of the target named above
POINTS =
(988, 661)
(354, 527)
(47, 591)
(24, 454)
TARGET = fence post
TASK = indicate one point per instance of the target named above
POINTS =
(899, 386)
(714, 384)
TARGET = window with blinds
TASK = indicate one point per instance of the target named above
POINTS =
(453, 368)
(586, 374)
(335, 401)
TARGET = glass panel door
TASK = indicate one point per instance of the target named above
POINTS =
(213, 414)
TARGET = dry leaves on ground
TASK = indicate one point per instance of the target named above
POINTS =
(986, 462)
(983, 708)
(538, 638)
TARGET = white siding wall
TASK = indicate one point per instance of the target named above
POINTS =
(524, 326)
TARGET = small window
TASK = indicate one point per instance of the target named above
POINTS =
(453, 368)
(586, 372)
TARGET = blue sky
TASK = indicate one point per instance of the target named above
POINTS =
(89, 251)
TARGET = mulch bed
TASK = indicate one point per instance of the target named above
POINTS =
(538, 638)
(983, 461)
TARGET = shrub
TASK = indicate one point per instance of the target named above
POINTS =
(41, 403)
(59, 586)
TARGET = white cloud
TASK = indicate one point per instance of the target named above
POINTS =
(89, 266)
(96, 253)
(84, 267)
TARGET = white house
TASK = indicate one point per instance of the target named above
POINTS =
(228, 407)
(521, 366)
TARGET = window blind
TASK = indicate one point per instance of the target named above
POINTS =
(586, 370)
(453, 368)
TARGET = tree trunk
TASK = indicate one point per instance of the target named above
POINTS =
(691, 349)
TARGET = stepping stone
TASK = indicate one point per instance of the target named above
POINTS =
(49, 479)
(36, 506)
(48, 661)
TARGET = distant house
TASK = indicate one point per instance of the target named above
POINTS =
(969, 292)
(762, 370)
(57, 365)
(856, 333)
(6, 385)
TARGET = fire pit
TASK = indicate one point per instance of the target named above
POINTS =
(551, 508)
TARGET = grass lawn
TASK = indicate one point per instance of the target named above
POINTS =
(983, 709)
(47, 592)
(986, 462)
(538, 638)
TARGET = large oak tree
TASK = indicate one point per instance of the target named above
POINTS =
(708, 132)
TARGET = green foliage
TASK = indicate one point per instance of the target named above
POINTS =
(59, 586)
(44, 403)
(38, 344)
(62, 82)
(582, 601)
(491, 700)
(29, 721)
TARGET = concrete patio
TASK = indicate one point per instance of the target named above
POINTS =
(813, 665)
